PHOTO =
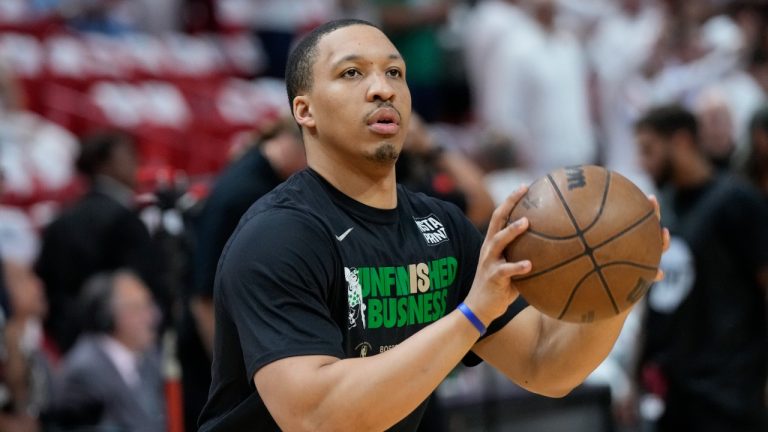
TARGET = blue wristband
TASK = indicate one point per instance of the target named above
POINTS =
(472, 318)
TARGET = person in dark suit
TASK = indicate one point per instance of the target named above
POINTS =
(111, 379)
(100, 232)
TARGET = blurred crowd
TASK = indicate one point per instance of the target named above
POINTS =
(135, 133)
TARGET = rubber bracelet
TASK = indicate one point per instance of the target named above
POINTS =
(472, 318)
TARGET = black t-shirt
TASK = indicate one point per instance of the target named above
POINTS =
(310, 271)
(706, 326)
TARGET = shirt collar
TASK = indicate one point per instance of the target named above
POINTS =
(125, 360)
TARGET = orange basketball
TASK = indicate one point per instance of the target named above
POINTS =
(594, 243)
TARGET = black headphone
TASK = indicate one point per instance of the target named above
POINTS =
(97, 312)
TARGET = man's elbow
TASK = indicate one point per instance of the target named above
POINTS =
(548, 389)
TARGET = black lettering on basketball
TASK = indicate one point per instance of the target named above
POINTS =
(575, 176)
(641, 287)
(530, 203)
(588, 317)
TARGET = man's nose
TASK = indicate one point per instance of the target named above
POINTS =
(380, 87)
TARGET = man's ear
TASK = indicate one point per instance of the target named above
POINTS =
(302, 112)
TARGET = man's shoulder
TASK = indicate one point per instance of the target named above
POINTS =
(293, 201)
(86, 356)
(730, 191)
(279, 222)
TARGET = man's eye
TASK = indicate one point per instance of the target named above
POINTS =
(395, 73)
(351, 73)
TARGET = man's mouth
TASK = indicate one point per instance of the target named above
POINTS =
(384, 121)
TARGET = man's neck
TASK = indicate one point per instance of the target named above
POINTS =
(371, 183)
(115, 189)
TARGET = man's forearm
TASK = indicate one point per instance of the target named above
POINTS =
(371, 393)
(548, 356)
(570, 352)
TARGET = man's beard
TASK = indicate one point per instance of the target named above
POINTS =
(385, 154)
(665, 175)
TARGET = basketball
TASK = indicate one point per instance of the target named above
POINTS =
(594, 243)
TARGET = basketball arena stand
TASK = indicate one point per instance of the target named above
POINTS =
(184, 97)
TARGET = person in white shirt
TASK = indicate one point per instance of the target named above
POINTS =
(541, 95)
(490, 23)
(620, 45)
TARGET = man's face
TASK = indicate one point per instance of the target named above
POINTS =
(136, 316)
(716, 131)
(122, 164)
(359, 105)
(655, 155)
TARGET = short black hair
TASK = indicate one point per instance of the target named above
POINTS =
(97, 148)
(97, 298)
(666, 120)
(298, 69)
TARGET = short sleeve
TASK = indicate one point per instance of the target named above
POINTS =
(274, 281)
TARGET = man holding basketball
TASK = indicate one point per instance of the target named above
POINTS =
(343, 300)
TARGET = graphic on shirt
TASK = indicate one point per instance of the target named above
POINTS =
(399, 296)
(432, 229)
(344, 235)
(354, 297)
(363, 348)
(679, 276)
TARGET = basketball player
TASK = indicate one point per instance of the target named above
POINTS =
(342, 299)
(706, 322)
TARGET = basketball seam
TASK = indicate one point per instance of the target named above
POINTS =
(598, 268)
(629, 263)
(553, 268)
(588, 250)
(625, 230)
(573, 292)
(550, 237)
(602, 202)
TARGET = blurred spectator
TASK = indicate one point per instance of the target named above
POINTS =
(716, 134)
(111, 379)
(619, 46)
(278, 22)
(277, 153)
(490, 23)
(24, 378)
(200, 16)
(705, 353)
(99, 232)
(757, 163)
(425, 166)
(35, 154)
(541, 93)
(413, 28)
(109, 17)
(18, 239)
(24, 373)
